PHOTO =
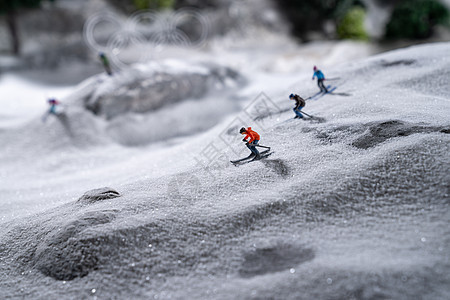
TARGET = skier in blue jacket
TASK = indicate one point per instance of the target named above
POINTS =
(320, 79)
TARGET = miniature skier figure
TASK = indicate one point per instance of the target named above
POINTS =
(299, 104)
(320, 79)
(53, 108)
(252, 142)
(105, 63)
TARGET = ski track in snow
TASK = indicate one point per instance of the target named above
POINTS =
(352, 207)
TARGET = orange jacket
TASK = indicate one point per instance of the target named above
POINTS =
(252, 135)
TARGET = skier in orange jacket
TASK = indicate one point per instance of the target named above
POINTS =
(254, 139)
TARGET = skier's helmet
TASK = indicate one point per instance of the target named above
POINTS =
(315, 68)
(291, 96)
(243, 130)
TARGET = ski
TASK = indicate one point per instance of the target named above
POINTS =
(319, 94)
(263, 154)
(313, 96)
(285, 121)
(242, 159)
(330, 90)
(250, 157)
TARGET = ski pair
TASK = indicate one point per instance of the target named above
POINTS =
(251, 157)
(320, 94)
(263, 154)
(301, 111)
(290, 119)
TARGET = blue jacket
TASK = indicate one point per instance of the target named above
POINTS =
(319, 75)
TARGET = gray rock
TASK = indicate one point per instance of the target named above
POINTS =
(153, 87)
(381, 131)
(69, 253)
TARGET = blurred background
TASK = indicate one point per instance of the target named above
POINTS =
(48, 34)
(49, 46)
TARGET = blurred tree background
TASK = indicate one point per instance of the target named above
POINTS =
(410, 19)
(416, 19)
(308, 19)
(352, 25)
(11, 8)
(313, 15)
(130, 6)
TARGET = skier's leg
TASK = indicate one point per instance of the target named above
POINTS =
(298, 113)
(323, 88)
(108, 70)
(255, 142)
(250, 147)
(253, 148)
(53, 110)
(318, 84)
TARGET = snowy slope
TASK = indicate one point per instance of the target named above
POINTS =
(351, 205)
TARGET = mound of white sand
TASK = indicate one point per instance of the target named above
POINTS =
(352, 207)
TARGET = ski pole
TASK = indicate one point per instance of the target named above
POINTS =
(306, 114)
(302, 112)
(261, 146)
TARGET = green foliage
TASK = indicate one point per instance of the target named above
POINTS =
(352, 25)
(415, 19)
(310, 15)
(153, 4)
(344, 6)
(130, 6)
(307, 15)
